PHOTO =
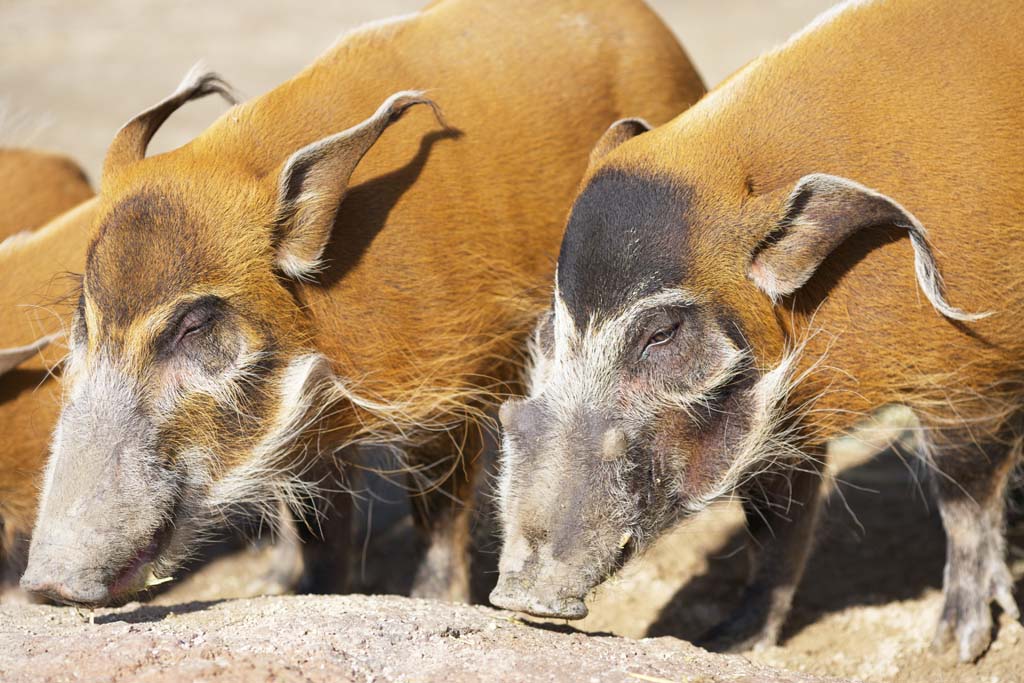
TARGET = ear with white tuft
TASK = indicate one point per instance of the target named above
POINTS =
(130, 143)
(617, 133)
(313, 182)
(13, 357)
(822, 211)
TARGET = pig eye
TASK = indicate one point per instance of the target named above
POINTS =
(662, 336)
(191, 321)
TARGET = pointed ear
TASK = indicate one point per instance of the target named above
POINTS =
(313, 182)
(617, 133)
(13, 357)
(130, 143)
(821, 212)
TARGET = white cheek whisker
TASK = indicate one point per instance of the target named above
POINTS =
(702, 396)
(278, 471)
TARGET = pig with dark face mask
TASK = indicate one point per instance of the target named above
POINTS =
(742, 285)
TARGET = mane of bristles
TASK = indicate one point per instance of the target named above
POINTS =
(948, 414)
(784, 422)
(283, 472)
(771, 440)
(440, 397)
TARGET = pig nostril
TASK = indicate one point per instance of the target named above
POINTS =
(62, 592)
(51, 591)
(501, 599)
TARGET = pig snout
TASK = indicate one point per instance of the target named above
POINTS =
(84, 570)
(47, 579)
(560, 540)
(517, 594)
(533, 581)
(107, 506)
(59, 568)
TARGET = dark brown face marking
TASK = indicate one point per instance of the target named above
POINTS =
(626, 238)
(148, 250)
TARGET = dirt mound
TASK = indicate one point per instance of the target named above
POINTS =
(341, 638)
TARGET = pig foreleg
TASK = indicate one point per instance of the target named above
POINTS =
(326, 536)
(781, 507)
(286, 562)
(971, 487)
(441, 498)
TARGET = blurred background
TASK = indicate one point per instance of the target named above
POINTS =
(72, 72)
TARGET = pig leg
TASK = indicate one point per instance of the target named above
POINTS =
(971, 487)
(326, 537)
(781, 507)
(442, 511)
(12, 563)
(286, 558)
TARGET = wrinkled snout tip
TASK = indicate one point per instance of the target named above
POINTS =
(518, 600)
(66, 592)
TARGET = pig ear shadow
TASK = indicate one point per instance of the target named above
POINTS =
(892, 549)
(365, 209)
(19, 381)
(147, 614)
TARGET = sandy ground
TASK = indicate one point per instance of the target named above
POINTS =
(70, 74)
(345, 638)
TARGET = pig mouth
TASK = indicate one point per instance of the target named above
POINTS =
(137, 573)
(627, 550)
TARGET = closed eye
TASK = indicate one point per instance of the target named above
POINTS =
(191, 320)
(193, 323)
